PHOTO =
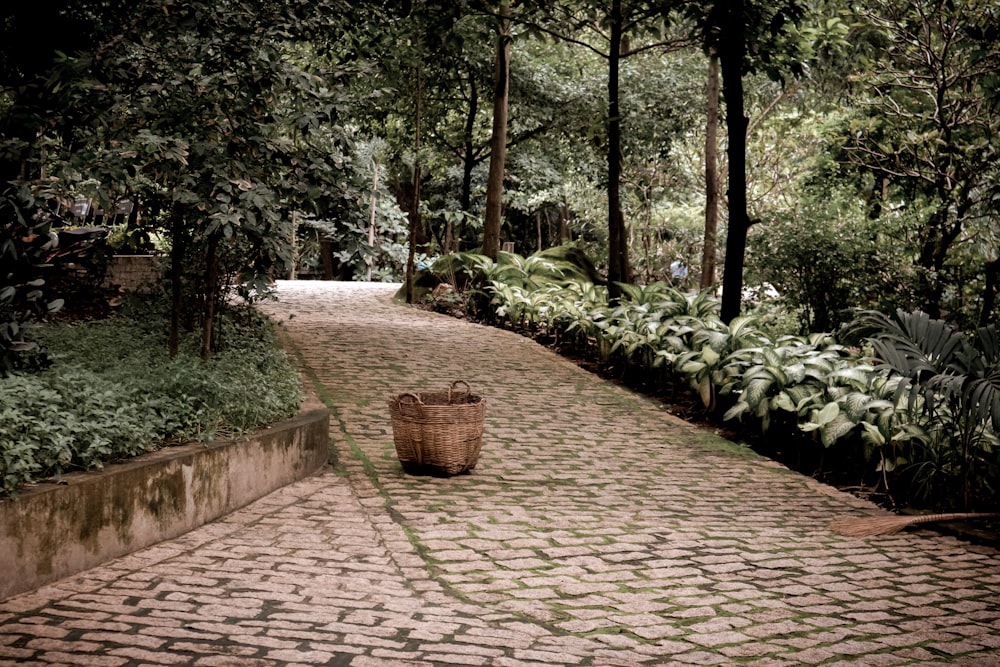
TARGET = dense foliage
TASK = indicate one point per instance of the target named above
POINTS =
(257, 139)
(217, 121)
(907, 404)
(21, 298)
(113, 392)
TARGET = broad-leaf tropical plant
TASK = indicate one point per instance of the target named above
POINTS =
(951, 378)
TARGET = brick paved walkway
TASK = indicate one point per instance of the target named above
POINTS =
(596, 530)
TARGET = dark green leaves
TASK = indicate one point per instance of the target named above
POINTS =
(957, 377)
(114, 393)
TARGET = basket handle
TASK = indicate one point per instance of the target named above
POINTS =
(410, 394)
(451, 389)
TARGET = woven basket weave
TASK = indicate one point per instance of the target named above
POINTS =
(439, 429)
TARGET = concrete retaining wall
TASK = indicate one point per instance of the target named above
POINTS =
(55, 530)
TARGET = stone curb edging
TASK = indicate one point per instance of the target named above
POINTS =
(57, 530)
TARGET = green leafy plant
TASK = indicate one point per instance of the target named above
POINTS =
(787, 378)
(910, 398)
(26, 240)
(854, 395)
(717, 352)
(113, 392)
(952, 381)
(461, 269)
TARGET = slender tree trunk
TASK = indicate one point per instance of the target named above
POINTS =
(938, 238)
(709, 250)
(646, 237)
(434, 233)
(326, 256)
(565, 234)
(498, 148)
(468, 161)
(732, 50)
(415, 201)
(617, 246)
(294, 263)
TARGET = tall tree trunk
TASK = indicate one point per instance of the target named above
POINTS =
(468, 161)
(415, 200)
(647, 232)
(709, 250)
(326, 256)
(498, 147)
(732, 50)
(939, 234)
(565, 234)
(617, 246)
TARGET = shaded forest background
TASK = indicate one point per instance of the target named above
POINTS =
(255, 139)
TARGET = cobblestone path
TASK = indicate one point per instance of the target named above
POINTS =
(596, 530)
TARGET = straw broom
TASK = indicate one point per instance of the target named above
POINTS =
(891, 524)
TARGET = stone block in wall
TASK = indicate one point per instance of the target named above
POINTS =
(135, 273)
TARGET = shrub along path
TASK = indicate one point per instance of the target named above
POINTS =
(596, 530)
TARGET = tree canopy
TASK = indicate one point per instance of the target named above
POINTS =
(257, 138)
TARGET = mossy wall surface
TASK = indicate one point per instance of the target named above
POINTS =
(56, 530)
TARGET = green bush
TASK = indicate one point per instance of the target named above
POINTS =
(911, 401)
(949, 383)
(26, 241)
(826, 257)
(113, 392)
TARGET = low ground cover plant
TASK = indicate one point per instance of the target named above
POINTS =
(113, 392)
(906, 403)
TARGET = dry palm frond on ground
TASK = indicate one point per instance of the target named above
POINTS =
(891, 524)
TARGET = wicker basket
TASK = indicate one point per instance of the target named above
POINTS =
(439, 429)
